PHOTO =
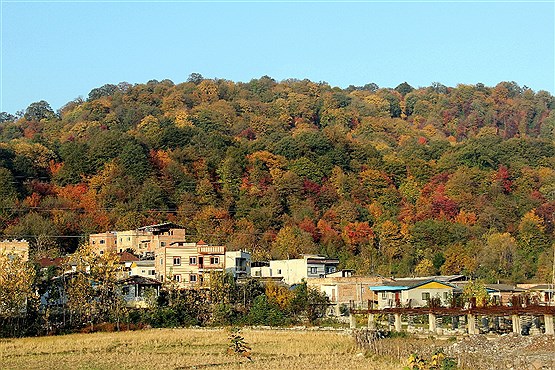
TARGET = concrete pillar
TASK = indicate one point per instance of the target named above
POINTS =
(371, 323)
(549, 330)
(337, 310)
(516, 324)
(471, 324)
(398, 322)
(352, 321)
(432, 322)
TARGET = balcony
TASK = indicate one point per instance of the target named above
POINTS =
(211, 249)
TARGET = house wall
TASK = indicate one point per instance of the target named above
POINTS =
(238, 263)
(182, 263)
(103, 243)
(261, 271)
(131, 239)
(143, 268)
(344, 290)
(292, 271)
(164, 239)
(433, 289)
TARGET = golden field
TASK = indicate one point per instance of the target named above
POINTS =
(187, 349)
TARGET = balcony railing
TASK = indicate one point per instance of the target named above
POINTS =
(210, 249)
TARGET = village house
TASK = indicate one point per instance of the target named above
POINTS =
(137, 290)
(158, 236)
(143, 268)
(131, 240)
(104, 243)
(413, 293)
(344, 289)
(12, 248)
(188, 264)
(142, 241)
(294, 271)
(238, 264)
(543, 293)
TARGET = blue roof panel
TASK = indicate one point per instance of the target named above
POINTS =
(388, 288)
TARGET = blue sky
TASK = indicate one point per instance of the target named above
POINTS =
(57, 51)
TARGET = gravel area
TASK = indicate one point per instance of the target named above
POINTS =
(508, 351)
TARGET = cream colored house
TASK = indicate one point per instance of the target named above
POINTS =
(131, 239)
(294, 271)
(413, 293)
(144, 268)
(15, 247)
(188, 264)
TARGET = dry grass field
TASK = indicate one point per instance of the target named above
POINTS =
(187, 349)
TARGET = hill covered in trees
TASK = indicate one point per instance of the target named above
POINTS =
(393, 181)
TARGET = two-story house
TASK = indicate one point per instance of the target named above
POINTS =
(294, 271)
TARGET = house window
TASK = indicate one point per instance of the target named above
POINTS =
(425, 296)
(121, 240)
(384, 295)
(128, 238)
(152, 272)
(93, 242)
(177, 278)
(101, 252)
(192, 260)
(445, 296)
(162, 244)
(101, 241)
(177, 261)
(193, 278)
(314, 270)
(257, 273)
(161, 261)
(125, 290)
(214, 260)
(279, 271)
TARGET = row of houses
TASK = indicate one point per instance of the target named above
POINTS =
(155, 254)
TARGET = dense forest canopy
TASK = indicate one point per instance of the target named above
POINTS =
(403, 181)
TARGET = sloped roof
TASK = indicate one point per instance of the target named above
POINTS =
(163, 225)
(47, 262)
(139, 280)
(407, 285)
(127, 257)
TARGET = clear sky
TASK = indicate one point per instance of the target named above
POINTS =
(57, 51)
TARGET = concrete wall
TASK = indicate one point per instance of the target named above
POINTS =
(292, 271)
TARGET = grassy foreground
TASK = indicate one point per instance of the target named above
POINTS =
(187, 349)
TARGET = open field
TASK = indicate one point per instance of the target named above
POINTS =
(187, 349)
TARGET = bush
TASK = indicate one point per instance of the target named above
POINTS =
(263, 312)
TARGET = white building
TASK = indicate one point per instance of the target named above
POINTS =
(294, 271)
(238, 263)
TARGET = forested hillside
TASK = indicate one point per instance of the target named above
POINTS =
(393, 181)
